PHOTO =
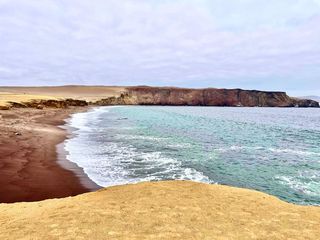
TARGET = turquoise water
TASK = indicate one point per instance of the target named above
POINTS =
(274, 150)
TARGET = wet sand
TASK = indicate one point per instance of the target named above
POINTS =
(29, 166)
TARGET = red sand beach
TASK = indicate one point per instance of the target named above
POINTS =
(29, 170)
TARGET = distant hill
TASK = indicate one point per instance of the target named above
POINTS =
(144, 95)
(315, 98)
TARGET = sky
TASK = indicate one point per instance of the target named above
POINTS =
(249, 44)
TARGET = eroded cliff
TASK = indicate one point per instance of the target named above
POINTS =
(205, 97)
(174, 96)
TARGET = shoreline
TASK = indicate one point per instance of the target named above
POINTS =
(32, 167)
(62, 154)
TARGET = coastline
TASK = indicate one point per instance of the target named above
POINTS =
(62, 154)
(31, 167)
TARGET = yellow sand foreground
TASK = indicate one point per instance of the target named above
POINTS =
(161, 210)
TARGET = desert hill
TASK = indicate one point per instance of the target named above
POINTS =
(144, 95)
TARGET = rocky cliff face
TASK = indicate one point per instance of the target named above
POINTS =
(205, 97)
(181, 97)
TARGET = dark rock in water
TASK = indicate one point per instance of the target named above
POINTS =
(204, 97)
(305, 103)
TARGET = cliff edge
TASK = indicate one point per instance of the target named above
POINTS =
(205, 97)
(144, 95)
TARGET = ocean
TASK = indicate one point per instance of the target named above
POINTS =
(273, 150)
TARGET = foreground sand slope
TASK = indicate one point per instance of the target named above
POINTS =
(161, 210)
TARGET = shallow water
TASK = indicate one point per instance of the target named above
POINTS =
(274, 150)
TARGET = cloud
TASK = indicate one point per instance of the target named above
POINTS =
(248, 43)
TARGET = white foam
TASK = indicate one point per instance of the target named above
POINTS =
(295, 152)
(305, 183)
(116, 163)
(274, 150)
(236, 148)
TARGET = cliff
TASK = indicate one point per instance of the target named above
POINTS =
(205, 97)
(144, 95)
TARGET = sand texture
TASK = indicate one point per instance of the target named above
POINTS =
(5, 98)
(161, 210)
(88, 93)
(29, 170)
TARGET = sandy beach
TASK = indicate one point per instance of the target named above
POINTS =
(29, 170)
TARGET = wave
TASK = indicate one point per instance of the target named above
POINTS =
(120, 146)
(274, 150)
(309, 184)
(113, 162)
(295, 152)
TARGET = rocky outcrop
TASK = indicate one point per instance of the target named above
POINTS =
(305, 102)
(205, 97)
(40, 104)
(123, 99)
(4, 107)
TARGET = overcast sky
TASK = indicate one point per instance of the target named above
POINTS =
(250, 44)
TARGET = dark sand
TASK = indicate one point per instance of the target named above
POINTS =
(29, 166)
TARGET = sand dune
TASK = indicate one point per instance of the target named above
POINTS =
(6, 97)
(161, 210)
(88, 93)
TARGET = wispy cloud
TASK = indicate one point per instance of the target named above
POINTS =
(237, 43)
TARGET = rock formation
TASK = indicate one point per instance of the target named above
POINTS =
(180, 97)
(40, 104)
(205, 97)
